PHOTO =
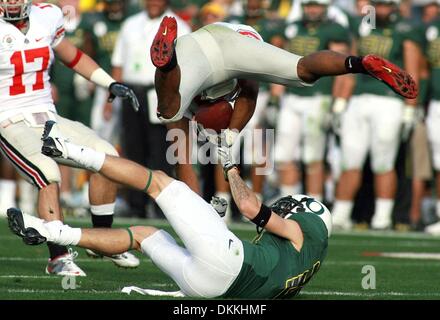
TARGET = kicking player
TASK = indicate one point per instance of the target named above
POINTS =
(214, 262)
(30, 36)
(208, 62)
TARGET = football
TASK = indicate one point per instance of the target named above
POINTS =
(216, 115)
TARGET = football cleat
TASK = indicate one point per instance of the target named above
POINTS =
(381, 222)
(65, 266)
(29, 228)
(53, 141)
(162, 49)
(394, 77)
(433, 229)
(123, 260)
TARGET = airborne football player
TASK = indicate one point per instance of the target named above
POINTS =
(224, 61)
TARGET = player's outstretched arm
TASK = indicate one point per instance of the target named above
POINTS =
(252, 208)
(82, 64)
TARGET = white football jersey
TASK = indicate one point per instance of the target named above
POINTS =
(25, 59)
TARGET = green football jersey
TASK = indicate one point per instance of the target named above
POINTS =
(62, 76)
(303, 40)
(103, 33)
(273, 268)
(387, 42)
(432, 51)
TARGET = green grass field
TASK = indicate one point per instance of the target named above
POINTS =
(415, 276)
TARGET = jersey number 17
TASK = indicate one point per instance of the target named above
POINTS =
(18, 59)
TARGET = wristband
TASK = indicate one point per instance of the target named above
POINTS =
(227, 169)
(75, 60)
(101, 78)
(262, 218)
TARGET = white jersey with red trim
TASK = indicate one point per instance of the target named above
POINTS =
(25, 60)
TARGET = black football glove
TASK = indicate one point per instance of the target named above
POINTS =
(118, 89)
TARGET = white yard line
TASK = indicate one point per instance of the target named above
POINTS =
(45, 259)
(379, 262)
(37, 291)
(371, 293)
(13, 276)
(305, 293)
(375, 242)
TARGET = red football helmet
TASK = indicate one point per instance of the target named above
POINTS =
(15, 10)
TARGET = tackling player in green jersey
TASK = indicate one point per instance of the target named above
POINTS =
(214, 262)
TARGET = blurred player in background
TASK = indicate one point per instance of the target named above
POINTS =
(432, 52)
(101, 32)
(376, 120)
(132, 65)
(211, 12)
(31, 36)
(301, 128)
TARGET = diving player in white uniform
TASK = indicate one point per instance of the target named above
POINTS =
(225, 61)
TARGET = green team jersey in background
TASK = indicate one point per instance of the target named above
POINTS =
(273, 268)
(267, 28)
(103, 33)
(387, 42)
(68, 105)
(432, 51)
(303, 40)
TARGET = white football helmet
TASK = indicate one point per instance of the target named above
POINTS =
(301, 203)
(15, 10)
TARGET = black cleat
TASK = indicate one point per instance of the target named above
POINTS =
(50, 147)
(29, 235)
